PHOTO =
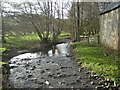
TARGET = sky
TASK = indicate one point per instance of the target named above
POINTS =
(40, 0)
(65, 2)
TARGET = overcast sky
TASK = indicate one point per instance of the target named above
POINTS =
(66, 4)
(9, 7)
(67, 0)
(40, 0)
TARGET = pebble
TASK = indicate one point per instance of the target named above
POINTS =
(72, 82)
(38, 63)
(40, 82)
(78, 77)
(50, 75)
(29, 76)
(42, 71)
(13, 66)
(51, 87)
(80, 69)
(82, 83)
(92, 83)
(34, 79)
(47, 82)
(47, 69)
(99, 88)
(72, 87)
(88, 72)
(27, 71)
(32, 68)
(79, 63)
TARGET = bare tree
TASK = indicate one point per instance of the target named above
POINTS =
(85, 18)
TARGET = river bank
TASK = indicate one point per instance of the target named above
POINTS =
(95, 58)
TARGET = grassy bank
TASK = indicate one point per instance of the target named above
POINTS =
(25, 42)
(14, 44)
(95, 59)
(21, 42)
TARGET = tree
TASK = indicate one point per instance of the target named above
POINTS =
(85, 18)
(0, 21)
(39, 16)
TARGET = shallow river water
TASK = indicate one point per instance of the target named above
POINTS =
(34, 70)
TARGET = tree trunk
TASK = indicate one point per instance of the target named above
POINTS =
(3, 34)
(98, 37)
(78, 22)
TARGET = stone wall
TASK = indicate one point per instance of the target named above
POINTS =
(109, 29)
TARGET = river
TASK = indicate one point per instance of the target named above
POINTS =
(53, 70)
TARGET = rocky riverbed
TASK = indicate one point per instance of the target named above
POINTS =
(48, 72)
(33, 70)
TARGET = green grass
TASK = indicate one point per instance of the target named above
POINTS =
(2, 50)
(64, 35)
(94, 59)
(21, 42)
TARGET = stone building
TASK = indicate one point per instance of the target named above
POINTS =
(110, 26)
